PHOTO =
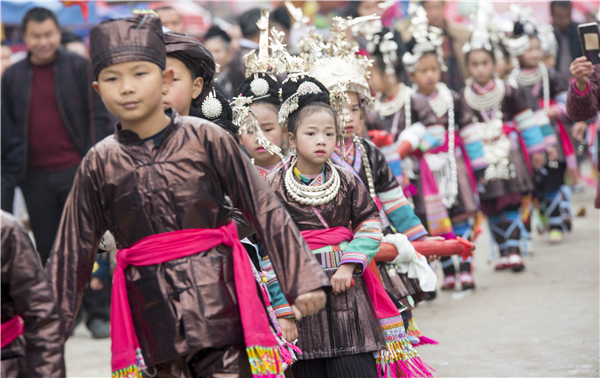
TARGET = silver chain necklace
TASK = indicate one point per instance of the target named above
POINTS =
(441, 102)
(391, 107)
(447, 168)
(486, 101)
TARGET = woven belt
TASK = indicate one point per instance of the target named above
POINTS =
(330, 256)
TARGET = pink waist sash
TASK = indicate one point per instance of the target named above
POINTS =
(261, 345)
(11, 330)
(399, 355)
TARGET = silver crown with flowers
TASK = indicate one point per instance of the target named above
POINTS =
(338, 62)
(428, 38)
(263, 64)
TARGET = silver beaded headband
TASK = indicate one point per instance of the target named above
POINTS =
(290, 105)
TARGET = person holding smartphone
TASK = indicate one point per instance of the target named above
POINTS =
(583, 101)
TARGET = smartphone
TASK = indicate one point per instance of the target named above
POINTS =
(590, 41)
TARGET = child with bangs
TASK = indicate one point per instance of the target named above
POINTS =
(546, 85)
(345, 69)
(505, 134)
(340, 221)
(444, 167)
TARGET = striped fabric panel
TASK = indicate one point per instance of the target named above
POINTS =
(416, 232)
(473, 145)
(280, 304)
(531, 126)
(364, 246)
(283, 311)
(438, 221)
(369, 229)
(401, 214)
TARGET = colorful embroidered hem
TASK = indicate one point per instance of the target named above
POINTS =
(399, 359)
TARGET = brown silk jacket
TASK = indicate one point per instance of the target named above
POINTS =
(134, 190)
(28, 293)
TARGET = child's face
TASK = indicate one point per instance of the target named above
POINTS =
(133, 90)
(533, 55)
(183, 89)
(481, 66)
(315, 138)
(269, 124)
(354, 113)
(427, 74)
(378, 81)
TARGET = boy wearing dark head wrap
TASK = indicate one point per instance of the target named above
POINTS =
(183, 302)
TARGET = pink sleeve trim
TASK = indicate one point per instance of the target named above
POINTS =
(587, 90)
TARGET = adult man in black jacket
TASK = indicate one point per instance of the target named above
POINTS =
(565, 30)
(49, 99)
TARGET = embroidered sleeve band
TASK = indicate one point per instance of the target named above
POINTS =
(473, 145)
(531, 126)
(281, 307)
(364, 246)
(401, 214)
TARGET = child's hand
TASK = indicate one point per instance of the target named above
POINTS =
(96, 284)
(309, 303)
(578, 130)
(552, 113)
(288, 329)
(581, 69)
(342, 279)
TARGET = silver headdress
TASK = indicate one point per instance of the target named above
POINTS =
(263, 64)
(486, 35)
(427, 38)
(338, 65)
(389, 51)
(258, 67)
(519, 43)
(246, 120)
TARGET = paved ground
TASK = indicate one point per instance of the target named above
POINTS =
(543, 322)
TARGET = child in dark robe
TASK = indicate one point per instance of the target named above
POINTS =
(185, 301)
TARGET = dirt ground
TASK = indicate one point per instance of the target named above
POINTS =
(543, 322)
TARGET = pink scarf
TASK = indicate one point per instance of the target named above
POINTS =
(11, 330)
(261, 345)
(399, 355)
